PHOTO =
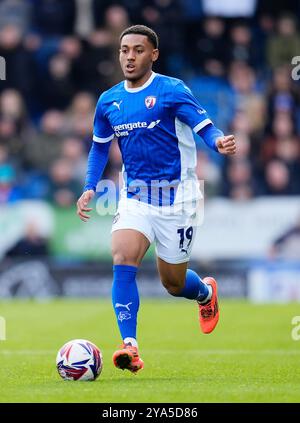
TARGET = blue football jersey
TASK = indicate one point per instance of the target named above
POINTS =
(153, 124)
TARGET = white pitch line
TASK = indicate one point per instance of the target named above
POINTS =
(164, 351)
(232, 352)
(27, 352)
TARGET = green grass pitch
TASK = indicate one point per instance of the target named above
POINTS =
(250, 357)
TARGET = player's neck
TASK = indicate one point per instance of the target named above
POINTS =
(139, 82)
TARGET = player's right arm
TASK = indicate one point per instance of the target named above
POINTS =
(97, 160)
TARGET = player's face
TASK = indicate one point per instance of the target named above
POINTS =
(137, 55)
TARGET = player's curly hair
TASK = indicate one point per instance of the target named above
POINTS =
(142, 30)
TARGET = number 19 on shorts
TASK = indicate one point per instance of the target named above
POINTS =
(185, 238)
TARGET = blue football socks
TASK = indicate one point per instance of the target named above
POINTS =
(194, 288)
(125, 299)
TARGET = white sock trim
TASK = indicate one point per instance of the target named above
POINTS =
(131, 340)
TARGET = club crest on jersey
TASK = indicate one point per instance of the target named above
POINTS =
(150, 101)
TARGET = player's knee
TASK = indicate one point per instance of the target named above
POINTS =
(124, 259)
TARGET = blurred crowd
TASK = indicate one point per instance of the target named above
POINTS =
(62, 54)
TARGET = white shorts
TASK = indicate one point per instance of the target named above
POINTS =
(173, 229)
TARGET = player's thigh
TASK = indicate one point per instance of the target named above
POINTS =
(132, 232)
(129, 246)
(174, 237)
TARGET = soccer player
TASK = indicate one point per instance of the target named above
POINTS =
(153, 117)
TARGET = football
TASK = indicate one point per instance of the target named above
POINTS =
(79, 359)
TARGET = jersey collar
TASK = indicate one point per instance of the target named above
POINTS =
(142, 87)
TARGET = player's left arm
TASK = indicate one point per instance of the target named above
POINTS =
(216, 140)
(188, 110)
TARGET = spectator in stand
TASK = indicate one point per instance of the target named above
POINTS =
(57, 88)
(248, 98)
(78, 119)
(165, 18)
(31, 244)
(10, 139)
(238, 181)
(64, 189)
(45, 147)
(209, 51)
(116, 20)
(70, 47)
(283, 95)
(18, 61)
(282, 132)
(262, 30)
(242, 126)
(12, 106)
(285, 44)
(74, 151)
(54, 17)
(277, 180)
(95, 66)
(241, 47)
(283, 144)
(15, 12)
(15, 126)
(247, 155)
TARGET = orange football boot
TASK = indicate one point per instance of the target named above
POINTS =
(128, 358)
(209, 312)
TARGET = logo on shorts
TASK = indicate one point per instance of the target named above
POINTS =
(150, 101)
(116, 218)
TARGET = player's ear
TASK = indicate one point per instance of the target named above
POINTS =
(155, 54)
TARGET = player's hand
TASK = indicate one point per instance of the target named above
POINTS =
(82, 205)
(226, 144)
